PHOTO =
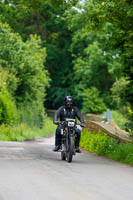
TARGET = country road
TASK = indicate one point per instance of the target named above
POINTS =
(31, 171)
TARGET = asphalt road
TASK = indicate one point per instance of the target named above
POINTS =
(30, 170)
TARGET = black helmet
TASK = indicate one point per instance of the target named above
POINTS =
(68, 102)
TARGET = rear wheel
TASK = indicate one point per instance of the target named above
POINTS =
(70, 150)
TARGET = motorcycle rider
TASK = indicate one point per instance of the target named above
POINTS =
(67, 111)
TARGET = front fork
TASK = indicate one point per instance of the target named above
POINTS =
(70, 134)
(65, 140)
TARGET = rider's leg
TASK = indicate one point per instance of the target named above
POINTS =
(57, 139)
(77, 141)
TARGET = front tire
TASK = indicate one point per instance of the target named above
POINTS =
(70, 150)
(63, 155)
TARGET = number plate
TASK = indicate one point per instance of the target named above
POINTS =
(71, 124)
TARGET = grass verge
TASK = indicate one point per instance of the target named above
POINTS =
(23, 132)
(102, 144)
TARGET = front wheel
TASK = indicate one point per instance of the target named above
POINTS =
(63, 155)
(70, 150)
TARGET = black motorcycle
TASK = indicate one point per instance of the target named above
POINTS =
(68, 139)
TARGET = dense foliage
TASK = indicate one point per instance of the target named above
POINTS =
(102, 144)
(23, 76)
(92, 103)
(100, 48)
(45, 18)
(86, 47)
(22, 132)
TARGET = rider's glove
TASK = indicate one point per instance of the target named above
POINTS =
(57, 122)
(83, 124)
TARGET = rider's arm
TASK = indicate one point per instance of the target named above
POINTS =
(79, 116)
(56, 115)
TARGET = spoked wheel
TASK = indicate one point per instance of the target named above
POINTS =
(70, 150)
(63, 155)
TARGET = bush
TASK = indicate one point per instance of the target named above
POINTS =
(102, 144)
(27, 78)
(92, 103)
(22, 132)
(119, 90)
(119, 118)
(32, 115)
(129, 124)
(97, 143)
(8, 112)
(130, 112)
(129, 127)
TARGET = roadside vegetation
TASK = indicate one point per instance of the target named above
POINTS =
(119, 119)
(103, 145)
(50, 49)
(23, 82)
(22, 132)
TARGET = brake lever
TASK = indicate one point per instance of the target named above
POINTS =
(81, 125)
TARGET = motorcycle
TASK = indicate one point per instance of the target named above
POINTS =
(68, 138)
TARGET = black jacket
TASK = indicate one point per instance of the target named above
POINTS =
(64, 113)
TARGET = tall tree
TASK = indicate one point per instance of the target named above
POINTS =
(45, 18)
(120, 15)
(102, 39)
(24, 62)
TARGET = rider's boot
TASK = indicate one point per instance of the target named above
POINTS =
(77, 144)
(78, 150)
(57, 142)
(56, 148)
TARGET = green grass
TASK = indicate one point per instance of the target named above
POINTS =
(102, 144)
(23, 132)
(119, 119)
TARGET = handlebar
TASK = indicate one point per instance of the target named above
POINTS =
(83, 126)
(63, 122)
